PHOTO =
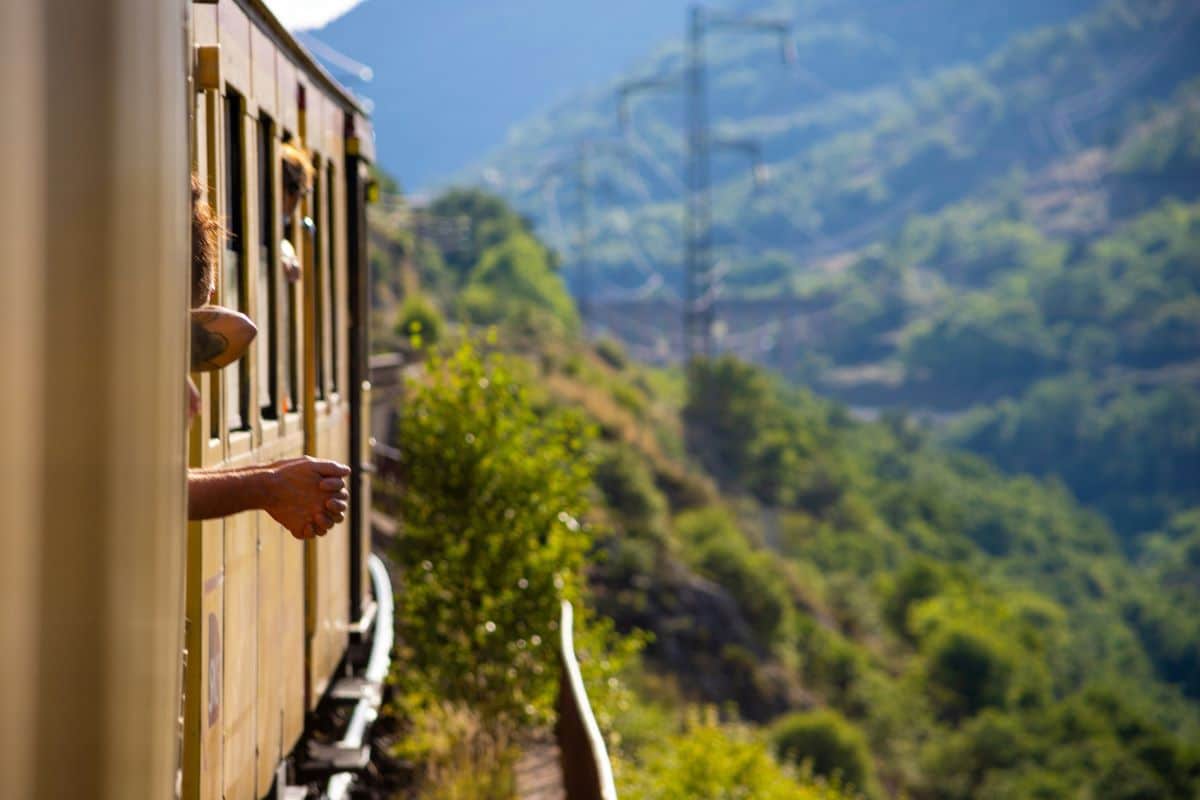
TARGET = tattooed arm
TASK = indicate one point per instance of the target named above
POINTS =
(219, 337)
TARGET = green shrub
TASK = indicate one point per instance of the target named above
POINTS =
(629, 491)
(918, 581)
(419, 321)
(699, 527)
(714, 763)
(611, 352)
(719, 550)
(460, 757)
(828, 742)
(990, 743)
(512, 275)
(753, 581)
(491, 540)
(968, 670)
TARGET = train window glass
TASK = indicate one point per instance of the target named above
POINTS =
(332, 291)
(267, 312)
(317, 242)
(237, 378)
(290, 366)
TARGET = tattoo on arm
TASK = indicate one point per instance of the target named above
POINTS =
(207, 346)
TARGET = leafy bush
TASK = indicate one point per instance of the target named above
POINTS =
(1132, 455)
(756, 436)
(828, 742)
(629, 491)
(918, 581)
(460, 757)
(514, 275)
(720, 551)
(715, 763)
(752, 580)
(419, 321)
(968, 671)
(491, 537)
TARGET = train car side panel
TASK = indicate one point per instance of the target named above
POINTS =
(285, 75)
(265, 83)
(234, 36)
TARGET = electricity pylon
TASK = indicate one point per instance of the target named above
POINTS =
(700, 289)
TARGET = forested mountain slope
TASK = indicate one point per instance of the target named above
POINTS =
(891, 110)
(857, 598)
(970, 208)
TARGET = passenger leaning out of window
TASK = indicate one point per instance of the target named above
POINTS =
(297, 182)
(306, 495)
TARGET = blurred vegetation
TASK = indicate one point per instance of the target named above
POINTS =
(708, 760)
(828, 745)
(984, 210)
(462, 757)
(891, 112)
(492, 540)
(868, 609)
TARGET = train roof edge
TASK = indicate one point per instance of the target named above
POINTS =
(260, 13)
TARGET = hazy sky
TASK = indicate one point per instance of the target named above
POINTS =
(453, 76)
(301, 14)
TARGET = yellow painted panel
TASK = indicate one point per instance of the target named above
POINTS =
(364, 137)
(335, 123)
(203, 680)
(204, 24)
(292, 634)
(240, 654)
(270, 635)
(285, 75)
(262, 61)
(329, 573)
(314, 122)
(292, 649)
(234, 35)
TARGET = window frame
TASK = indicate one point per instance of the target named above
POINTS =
(268, 271)
(234, 280)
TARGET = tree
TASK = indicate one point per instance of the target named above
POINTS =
(828, 742)
(492, 541)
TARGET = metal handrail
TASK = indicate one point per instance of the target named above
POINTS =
(586, 769)
(367, 709)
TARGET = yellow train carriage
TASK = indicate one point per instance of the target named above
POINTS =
(269, 617)
(108, 107)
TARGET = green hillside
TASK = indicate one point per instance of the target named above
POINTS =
(832, 607)
(892, 109)
(989, 216)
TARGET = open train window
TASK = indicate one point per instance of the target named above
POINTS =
(290, 366)
(318, 277)
(237, 375)
(332, 287)
(267, 311)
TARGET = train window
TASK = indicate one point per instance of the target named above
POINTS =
(317, 242)
(331, 238)
(290, 366)
(267, 312)
(237, 375)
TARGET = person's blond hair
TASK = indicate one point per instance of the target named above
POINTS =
(298, 168)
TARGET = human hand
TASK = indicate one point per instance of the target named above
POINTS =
(307, 495)
(290, 262)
